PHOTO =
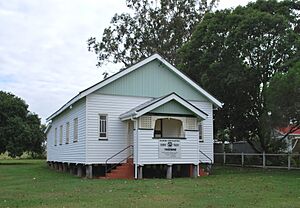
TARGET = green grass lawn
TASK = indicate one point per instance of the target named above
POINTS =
(29, 183)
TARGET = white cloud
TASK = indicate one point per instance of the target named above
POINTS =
(44, 57)
(43, 50)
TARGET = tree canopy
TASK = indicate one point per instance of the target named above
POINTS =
(235, 53)
(283, 98)
(154, 26)
(20, 130)
(232, 53)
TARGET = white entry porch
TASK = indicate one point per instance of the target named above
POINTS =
(166, 138)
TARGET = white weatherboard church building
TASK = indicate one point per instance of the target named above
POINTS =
(149, 120)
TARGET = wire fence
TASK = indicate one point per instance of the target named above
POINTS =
(263, 160)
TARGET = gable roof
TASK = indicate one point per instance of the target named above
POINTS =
(122, 73)
(156, 102)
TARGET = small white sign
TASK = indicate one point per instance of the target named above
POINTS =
(169, 148)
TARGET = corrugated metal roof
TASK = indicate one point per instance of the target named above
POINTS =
(285, 130)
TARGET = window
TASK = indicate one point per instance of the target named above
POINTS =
(158, 129)
(102, 126)
(146, 122)
(55, 137)
(200, 128)
(60, 135)
(191, 123)
(67, 133)
(75, 138)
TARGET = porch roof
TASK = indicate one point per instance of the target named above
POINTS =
(157, 102)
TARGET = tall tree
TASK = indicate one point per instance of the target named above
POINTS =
(234, 54)
(20, 130)
(154, 26)
(283, 99)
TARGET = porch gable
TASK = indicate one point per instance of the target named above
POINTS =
(172, 107)
(169, 104)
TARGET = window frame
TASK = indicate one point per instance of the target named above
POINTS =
(61, 130)
(106, 126)
(201, 137)
(75, 129)
(158, 132)
(55, 137)
(67, 132)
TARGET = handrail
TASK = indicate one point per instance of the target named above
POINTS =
(107, 170)
(211, 162)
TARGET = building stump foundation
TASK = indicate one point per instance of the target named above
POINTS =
(89, 171)
(60, 167)
(140, 172)
(71, 168)
(56, 166)
(65, 167)
(169, 171)
(194, 171)
(79, 170)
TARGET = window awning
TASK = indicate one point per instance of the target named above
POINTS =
(157, 102)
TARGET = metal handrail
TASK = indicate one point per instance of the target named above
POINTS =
(113, 166)
(206, 156)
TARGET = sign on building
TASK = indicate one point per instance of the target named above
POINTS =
(169, 148)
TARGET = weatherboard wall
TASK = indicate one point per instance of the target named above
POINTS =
(74, 152)
(153, 79)
(95, 151)
(99, 150)
(148, 152)
(117, 131)
(207, 125)
(148, 149)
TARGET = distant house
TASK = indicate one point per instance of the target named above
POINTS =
(293, 139)
(147, 119)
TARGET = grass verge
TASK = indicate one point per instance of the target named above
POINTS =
(29, 183)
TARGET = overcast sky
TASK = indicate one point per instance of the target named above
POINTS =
(43, 50)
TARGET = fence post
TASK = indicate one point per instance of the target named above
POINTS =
(242, 159)
(264, 159)
(289, 161)
(224, 158)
